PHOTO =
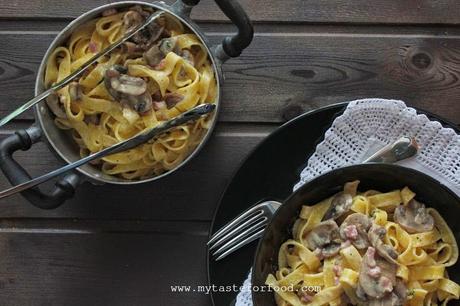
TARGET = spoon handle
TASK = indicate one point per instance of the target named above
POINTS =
(130, 143)
(402, 148)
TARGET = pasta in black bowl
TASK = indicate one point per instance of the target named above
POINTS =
(361, 235)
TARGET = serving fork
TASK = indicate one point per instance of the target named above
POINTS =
(250, 225)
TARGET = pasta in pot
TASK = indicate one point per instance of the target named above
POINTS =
(367, 248)
(159, 73)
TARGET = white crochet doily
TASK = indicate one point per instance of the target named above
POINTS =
(366, 126)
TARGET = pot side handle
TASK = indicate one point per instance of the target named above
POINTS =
(16, 174)
(232, 46)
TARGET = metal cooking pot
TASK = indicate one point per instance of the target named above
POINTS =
(45, 130)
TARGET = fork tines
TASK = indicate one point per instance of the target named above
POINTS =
(242, 230)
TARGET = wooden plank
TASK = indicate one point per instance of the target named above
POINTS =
(44, 263)
(191, 193)
(320, 69)
(358, 11)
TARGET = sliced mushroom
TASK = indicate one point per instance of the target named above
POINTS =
(172, 99)
(139, 9)
(325, 238)
(400, 290)
(360, 293)
(340, 204)
(414, 217)
(129, 91)
(155, 31)
(53, 103)
(167, 45)
(376, 276)
(153, 56)
(156, 96)
(129, 85)
(93, 119)
(131, 20)
(131, 49)
(396, 298)
(141, 104)
(354, 228)
(390, 299)
(303, 295)
(375, 235)
(147, 36)
(188, 56)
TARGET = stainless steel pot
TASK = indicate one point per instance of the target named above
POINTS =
(45, 130)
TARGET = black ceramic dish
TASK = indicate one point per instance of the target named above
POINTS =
(381, 177)
(269, 171)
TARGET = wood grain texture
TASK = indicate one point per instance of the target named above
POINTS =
(321, 69)
(358, 11)
(114, 245)
(191, 193)
(98, 263)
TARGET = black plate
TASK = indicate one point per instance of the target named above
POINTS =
(270, 171)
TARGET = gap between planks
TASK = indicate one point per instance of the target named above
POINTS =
(53, 27)
(93, 226)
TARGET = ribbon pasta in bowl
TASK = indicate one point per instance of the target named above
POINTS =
(362, 235)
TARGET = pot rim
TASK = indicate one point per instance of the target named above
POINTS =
(40, 109)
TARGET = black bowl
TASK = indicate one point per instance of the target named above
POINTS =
(381, 177)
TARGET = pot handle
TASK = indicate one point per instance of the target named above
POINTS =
(23, 140)
(232, 46)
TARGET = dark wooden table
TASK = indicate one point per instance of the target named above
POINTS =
(127, 246)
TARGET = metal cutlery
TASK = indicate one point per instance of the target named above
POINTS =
(127, 144)
(250, 225)
(242, 230)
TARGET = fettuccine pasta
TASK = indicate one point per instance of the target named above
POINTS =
(161, 72)
(367, 248)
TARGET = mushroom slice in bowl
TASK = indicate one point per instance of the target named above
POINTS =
(340, 204)
(375, 235)
(376, 276)
(395, 298)
(414, 217)
(324, 238)
(354, 228)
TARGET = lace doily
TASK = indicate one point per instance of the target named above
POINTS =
(366, 126)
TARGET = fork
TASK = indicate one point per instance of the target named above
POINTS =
(250, 225)
(242, 230)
